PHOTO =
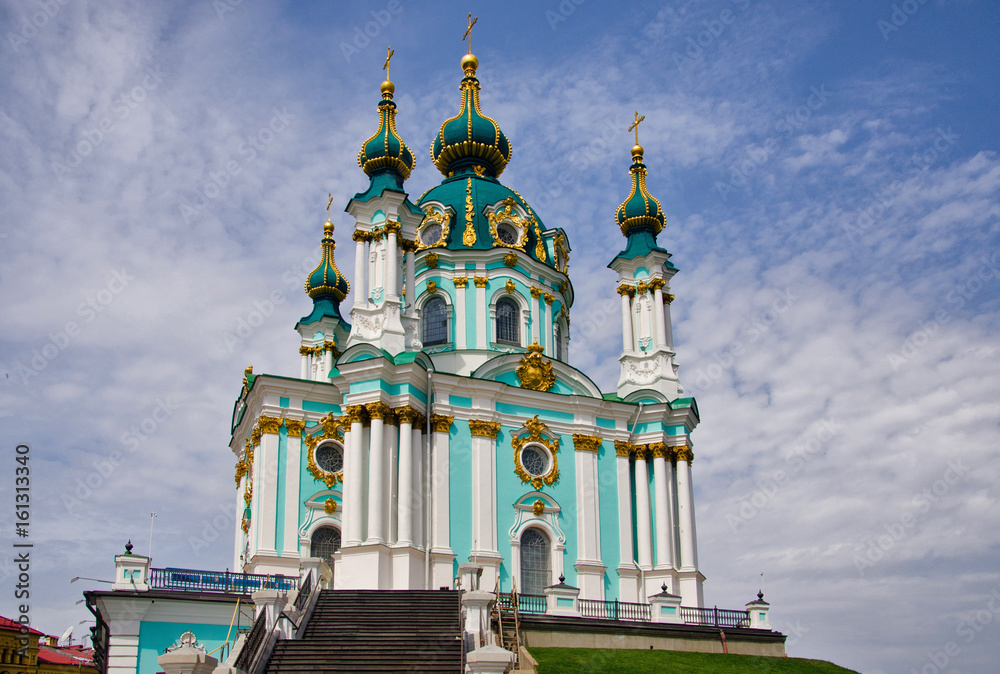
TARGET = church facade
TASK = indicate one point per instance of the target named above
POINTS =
(435, 420)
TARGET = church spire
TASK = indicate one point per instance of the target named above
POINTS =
(385, 151)
(640, 211)
(325, 284)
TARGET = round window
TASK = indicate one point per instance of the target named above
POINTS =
(330, 458)
(430, 234)
(535, 461)
(507, 233)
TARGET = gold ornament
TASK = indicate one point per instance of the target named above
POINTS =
(330, 506)
(538, 507)
(684, 453)
(431, 215)
(461, 281)
(535, 371)
(587, 443)
(295, 427)
(431, 260)
(269, 425)
(508, 214)
(510, 259)
(625, 289)
(480, 281)
(378, 410)
(660, 450)
(469, 236)
(441, 423)
(510, 286)
(355, 414)
(484, 429)
(432, 287)
(537, 433)
(623, 448)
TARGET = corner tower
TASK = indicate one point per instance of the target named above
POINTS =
(648, 361)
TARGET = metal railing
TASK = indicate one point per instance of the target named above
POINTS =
(715, 617)
(526, 603)
(253, 643)
(217, 581)
(614, 610)
(303, 597)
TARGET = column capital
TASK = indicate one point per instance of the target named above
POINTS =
(408, 245)
(407, 415)
(378, 410)
(295, 427)
(484, 429)
(642, 452)
(549, 298)
(536, 292)
(586, 443)
(361, 236)
(683, 453)
(460, 281)
(480, 281)
(660, 450)
(441, 423)
(392, 227)
(355, 414)
(641, 287)
(623, 448)
(657, 284)
(667, 298)
(626, 289)
(269, 424)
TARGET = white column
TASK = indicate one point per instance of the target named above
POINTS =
(660, 328)
(483, 503)
(536, 298)
(405, 500)
(354, 480)
(668, 325)
(664, 528)
(625, 550)
(327, 364)
(417, 502)
(411, 275)
(627, 341)
(265, 492)
(441, 532)
(290, 545)
(376, 475)
(642, 510)
(360, 269)
(547, 323)
(392, 266)
(685, 502)
(460, 329)
(304, 368)
(482, 342)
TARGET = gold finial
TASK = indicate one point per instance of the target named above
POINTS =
(328, 227)
(389, 51)
(387, 87)
(637, 149)
(468, 31)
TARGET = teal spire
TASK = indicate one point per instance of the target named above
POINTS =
(640, 210)
(326, 285)
(385, 151)
(470, 138)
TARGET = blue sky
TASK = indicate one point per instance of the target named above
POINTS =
(831, 181)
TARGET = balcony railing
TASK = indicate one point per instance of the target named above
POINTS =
(632, 612)
(614, 610)
(217, 581)
(715, 617)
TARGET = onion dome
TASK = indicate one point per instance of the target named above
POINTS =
(326, 281)
(640, 209)
(470, 138)
(386, 150)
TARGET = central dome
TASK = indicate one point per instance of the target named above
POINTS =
(470, 138)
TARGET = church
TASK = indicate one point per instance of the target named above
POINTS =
(435, 419)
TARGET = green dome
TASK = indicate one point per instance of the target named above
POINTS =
(386, 150)
(326, 281)
(640, 208)
(470, 138)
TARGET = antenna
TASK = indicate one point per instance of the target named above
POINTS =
(152, 516)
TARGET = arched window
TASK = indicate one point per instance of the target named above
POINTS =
(536, 562)
(559, 343)
(435, 321)
(507, 322)
(325, 541)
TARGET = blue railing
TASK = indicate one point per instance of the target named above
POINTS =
(217, 581)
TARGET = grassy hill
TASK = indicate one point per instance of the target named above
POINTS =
(595, 661)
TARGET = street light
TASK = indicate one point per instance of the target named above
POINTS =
(96, 580)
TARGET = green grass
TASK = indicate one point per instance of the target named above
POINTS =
(598, 661)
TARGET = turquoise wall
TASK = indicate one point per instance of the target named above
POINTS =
(154, 637)
(607, 492)
(460, 491)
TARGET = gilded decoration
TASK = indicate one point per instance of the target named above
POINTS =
(242, 468)
(508, 214)
(480, 170)
(433, 216)
(535, 371)
(330, 506)
(657, 284)
(510, 286)
(469, 236)
(564, 287)
(355, 414)
(392, 227)
(484, 429)
(660, 450)
(641, 287)
(431, 260)
(510, 259)
(329, 428)
(480, 281)
(378, 410)
(684, 453)
(539, 244)
(548, 298)
(538, 507)
(626, 289)
(461, 281)
(587, 443)
(255, 436)
(561, 253)
(536, 292)
(623, 448)
(667, 298)
(295, 427)
(248, 494)
(361, 235)
(535, 432)
(441, 423)
(269, 425)
(432, 287)
(642, 452)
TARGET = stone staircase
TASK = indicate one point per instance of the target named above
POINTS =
(377, 631)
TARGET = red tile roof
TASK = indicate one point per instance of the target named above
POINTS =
(8, 624)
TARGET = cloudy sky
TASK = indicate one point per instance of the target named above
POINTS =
(830, 176)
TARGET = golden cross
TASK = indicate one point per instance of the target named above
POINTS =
(635, 125)
(329, 201)
(389, 51)
(468, 31)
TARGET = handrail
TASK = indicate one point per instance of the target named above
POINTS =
(228, 582)
(252, 643)
(229, 633)
(303, 597)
